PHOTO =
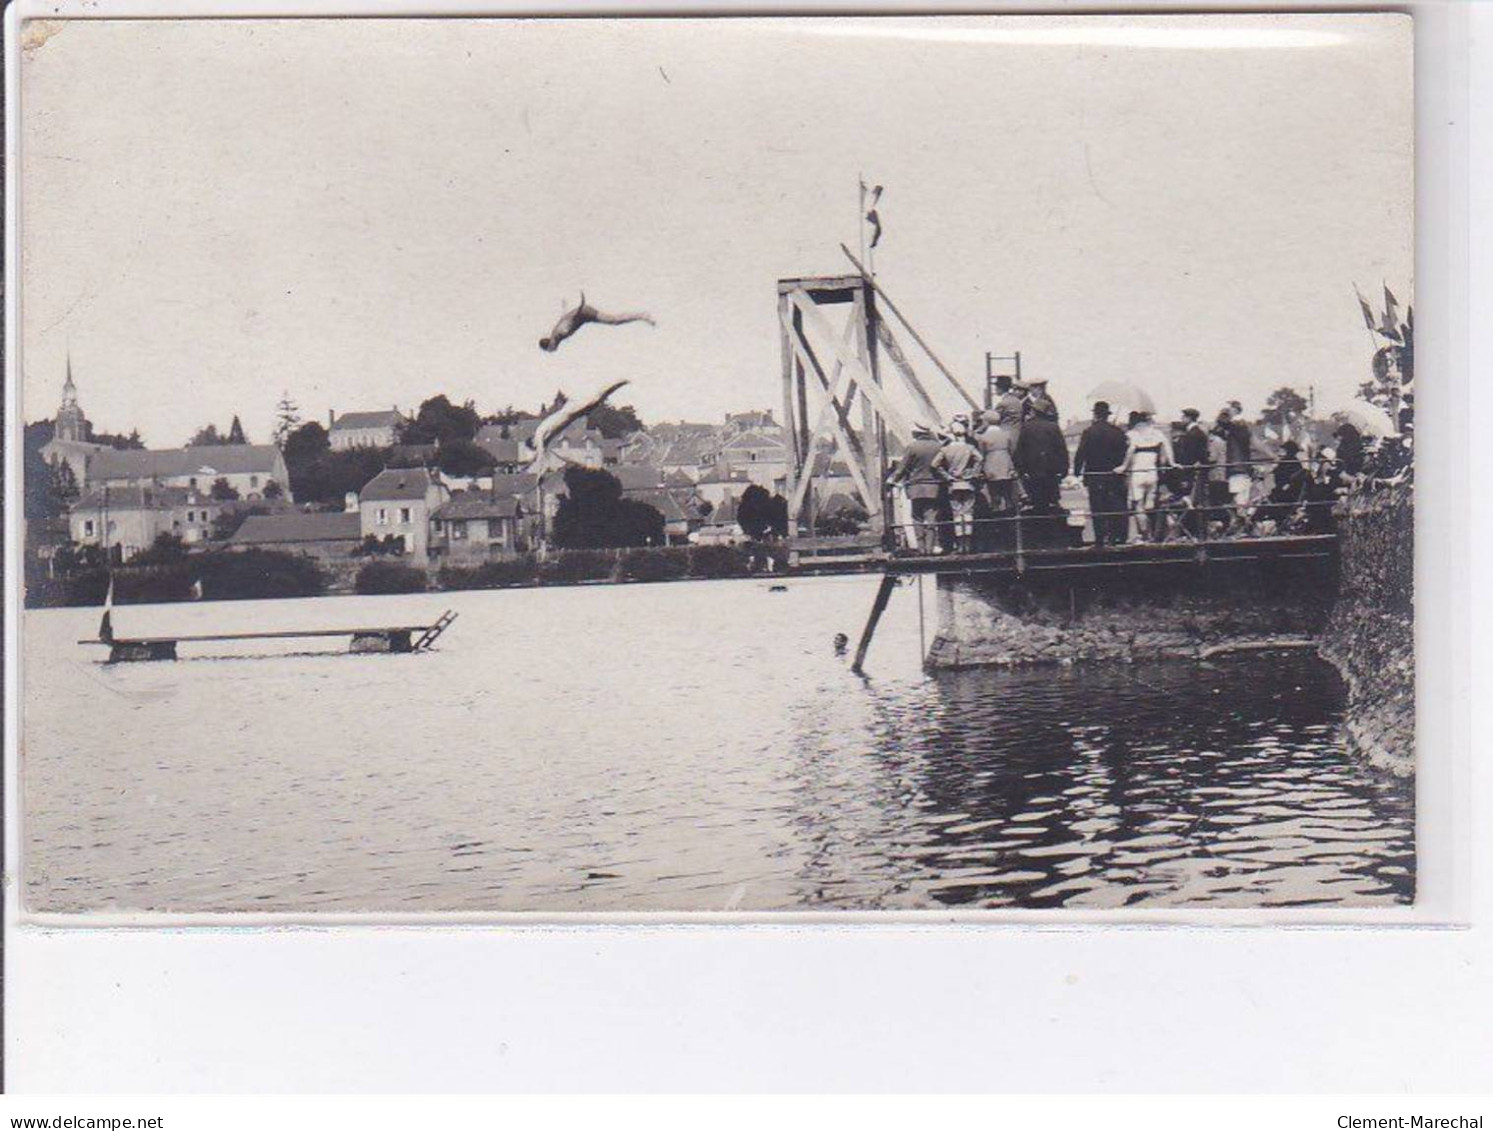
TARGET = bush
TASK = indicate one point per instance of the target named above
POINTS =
(847, 521)
(491, 575)
(655, 565)
(372, 546)
(593, 513)
(717, 561)
(132, 586)
(226, 576)
(81, 587)
(639, 564)
(578, 565)
(389, 577)
(258, 575)
(167, 549)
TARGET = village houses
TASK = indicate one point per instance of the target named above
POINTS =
(328, 536)
(693, 474)
(251, 471)
(399, 503)
(364, 429)
(760, 455)
(477, 526)
(131, 518)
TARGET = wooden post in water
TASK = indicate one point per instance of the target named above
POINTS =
(883, 594)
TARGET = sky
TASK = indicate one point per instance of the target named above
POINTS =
(363, 213)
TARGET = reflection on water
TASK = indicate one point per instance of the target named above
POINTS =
(692, 746)
(1172, 784)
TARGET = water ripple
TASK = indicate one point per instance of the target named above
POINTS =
(681, 747)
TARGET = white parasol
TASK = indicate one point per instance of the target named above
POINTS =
(1367, 418)
(1123, 397)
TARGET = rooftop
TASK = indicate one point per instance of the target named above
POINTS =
(661, 501)
(388, 418)
(298, 526)
(474, 504)
(503, 449)
(638, 476)
(687, 452)
(514, 483)
(397, 483)
(722, 474)
(756, 439)
(221, 459)
(134, 497)
(722, 515)
(520, 430)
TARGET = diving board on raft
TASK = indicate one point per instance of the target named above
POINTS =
(376, 639)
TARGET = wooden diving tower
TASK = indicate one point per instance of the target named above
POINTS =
(827, 368)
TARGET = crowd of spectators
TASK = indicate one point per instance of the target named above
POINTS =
(1003, 478)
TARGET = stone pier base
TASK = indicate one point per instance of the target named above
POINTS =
(1357, 611)
(1159, 612)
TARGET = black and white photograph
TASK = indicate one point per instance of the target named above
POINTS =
(754, 466)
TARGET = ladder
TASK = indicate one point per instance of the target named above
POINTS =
(428, 637)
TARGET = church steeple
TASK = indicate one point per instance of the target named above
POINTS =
(71, 424)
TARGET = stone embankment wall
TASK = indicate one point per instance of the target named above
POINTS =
(1156, 612)
(1358, 614)
(1370, 635)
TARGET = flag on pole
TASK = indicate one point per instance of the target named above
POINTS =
(1368, 314)
(106, 626)
(1391, 327)
(868, 206)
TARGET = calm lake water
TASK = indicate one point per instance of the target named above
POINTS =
(691, 746)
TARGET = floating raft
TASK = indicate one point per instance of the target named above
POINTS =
(383, 638)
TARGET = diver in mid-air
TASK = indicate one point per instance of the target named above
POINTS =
(573, 320)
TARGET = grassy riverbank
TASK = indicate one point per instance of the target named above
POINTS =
(268, 574)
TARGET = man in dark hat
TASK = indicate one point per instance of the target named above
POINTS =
(1290, 488)
(1038, 400)
(1349, 448)
(1101, 451)
(1190, 450)
(1042, 459)
(1010, 406)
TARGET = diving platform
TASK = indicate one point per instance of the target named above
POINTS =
(377, 639)
(818, 559)
(1230, 571)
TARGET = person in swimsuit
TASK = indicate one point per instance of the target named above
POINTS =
(573, 320)
(1149, 453)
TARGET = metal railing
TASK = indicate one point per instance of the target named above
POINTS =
(1179, 513)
